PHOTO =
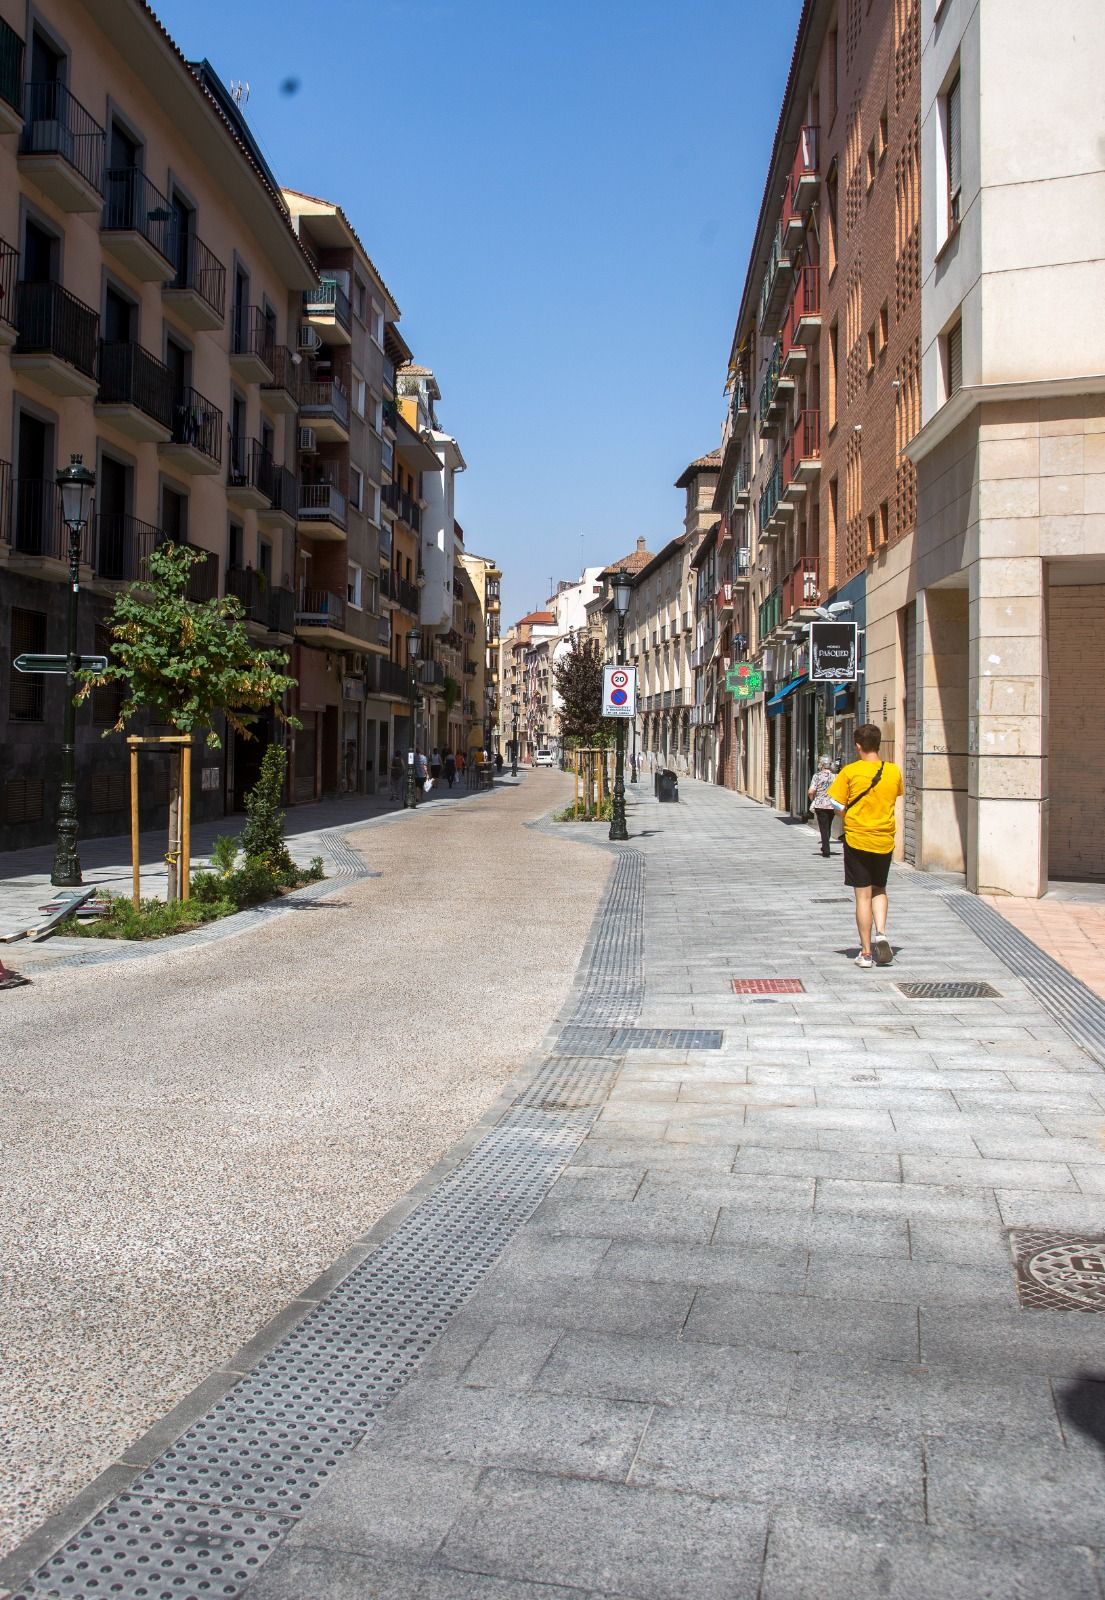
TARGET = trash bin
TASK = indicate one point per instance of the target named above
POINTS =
(667, 785)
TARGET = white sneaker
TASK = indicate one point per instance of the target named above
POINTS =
(880, 949)
(864, 960)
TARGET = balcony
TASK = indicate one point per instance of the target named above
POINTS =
(385, 544)
(775, 391)
(321, 511)
(11, 79)
(432, 674)
(393, 679)
(319, 612)
(138, 227)
(196, 445)
(742, 564)
(775, 279)
(769, 501)
(9, 269)
(469, 667)
(324, 406)
(58, 338)
(724, 598)
(61, 148)
(197, 290)
(407, 595)
(246, 462)
(803, 323)
(327, 309)
(802, 186)
(801, 588)
(802, 455)
(281, 615)
(122, 547)
(249, 587)
(36, 528)
(252, 346)
(391, 416)
(136, 393)
(280, 391)
(281, 489)
(203, 580)
(769, 614)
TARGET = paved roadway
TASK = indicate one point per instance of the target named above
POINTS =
(191, 1137)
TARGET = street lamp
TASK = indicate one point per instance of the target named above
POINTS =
(489, 700)
(414, 645)
(76, 484)
(514, 741)
(621, 585)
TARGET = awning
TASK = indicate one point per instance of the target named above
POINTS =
(841, 694)
(775, 706)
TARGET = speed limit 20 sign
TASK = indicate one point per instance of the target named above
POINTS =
(619, 691)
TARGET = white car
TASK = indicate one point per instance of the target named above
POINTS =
(544, 758)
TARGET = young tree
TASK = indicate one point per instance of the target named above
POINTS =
(578, 677)
(187, 663)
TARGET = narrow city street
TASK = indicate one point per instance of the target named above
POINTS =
(766, 1292)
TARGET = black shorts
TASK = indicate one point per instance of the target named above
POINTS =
(866, 869)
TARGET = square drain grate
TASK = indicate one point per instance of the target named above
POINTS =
(768, 986)
(948, 991)
(1059, 1271)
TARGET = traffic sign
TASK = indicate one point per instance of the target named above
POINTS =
(619, 691)
(59, 664)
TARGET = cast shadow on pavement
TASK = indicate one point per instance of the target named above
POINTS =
(1082, 1404)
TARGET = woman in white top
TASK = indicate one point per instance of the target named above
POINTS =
(823, 808)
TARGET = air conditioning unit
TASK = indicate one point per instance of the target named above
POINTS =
(309, 338)
(308, 441)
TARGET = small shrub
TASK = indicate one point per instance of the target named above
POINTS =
(208, 887)
(154, 919)
(263, 834)
(313, 871)
(224, 853)
(579, 813)
(255, 881)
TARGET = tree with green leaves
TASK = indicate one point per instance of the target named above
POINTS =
(578, 679)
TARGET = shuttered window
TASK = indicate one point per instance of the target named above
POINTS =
(955, 359)
(955, 152)
(26, 692)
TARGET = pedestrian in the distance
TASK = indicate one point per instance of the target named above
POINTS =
(450, 768)
(864, 793)
(395, 775)
(435, 763)
(460, 763)
(822, 807)
(498, 761)
(421, 771)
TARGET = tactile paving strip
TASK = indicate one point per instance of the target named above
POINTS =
(200, 1520)
(584, 1041)
(614, 988)
(948, 990)
(346, 861)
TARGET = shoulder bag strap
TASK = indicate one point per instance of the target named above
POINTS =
(866, 791)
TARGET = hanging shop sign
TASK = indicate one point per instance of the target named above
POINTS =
(833, 652)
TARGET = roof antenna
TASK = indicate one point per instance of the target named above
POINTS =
(239, 92)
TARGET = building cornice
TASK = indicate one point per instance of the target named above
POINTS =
(965, 400)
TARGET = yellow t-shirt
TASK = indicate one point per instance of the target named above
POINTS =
(869, 824)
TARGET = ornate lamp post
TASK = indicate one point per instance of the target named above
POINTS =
(76, 484)
(622, 586)
(414, 646)
(514, 741)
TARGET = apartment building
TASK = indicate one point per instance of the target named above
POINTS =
(483, 578)
(699, 731)
(150, 289)
(345, 462)
(984, 628)
(510, 693)
(816, 485)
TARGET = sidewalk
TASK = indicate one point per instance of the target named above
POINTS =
(721, 1306)
(1069, 924)
(312, 830)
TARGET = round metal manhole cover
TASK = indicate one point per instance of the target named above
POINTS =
(1060, 1273)
(865, 1077)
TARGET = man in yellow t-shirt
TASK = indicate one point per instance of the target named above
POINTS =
(865, 792)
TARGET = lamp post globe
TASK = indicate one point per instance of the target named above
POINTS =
(75, 485)
(621, 587)
(414, 648)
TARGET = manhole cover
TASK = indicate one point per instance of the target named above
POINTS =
(865, 1077)
(768, 986)
(948, 991)
(1057, 1272)
(831, 900)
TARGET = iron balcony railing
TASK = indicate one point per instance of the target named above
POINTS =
(431, 673)
(770, 612)
(321, 502)
(243, 463)
(132, 204)
(391, 415)
(11, 66)
(771, 379)
(285, 372)
(317, 397)
(390, 495)
(389, 582)
(394, 679)
(318, 608)
(203, 579)
(52, 321)
(804, 444)
(5, 501)
(740, 479)
(129, 375)
(802, 586)
(198, 423)
(247, 585)
(123, 547)
(36, 526)
(279, 483)
(55, 123)
(407, 595)
(328, 300)
(199, 269)
(9, 268)
(252, 334)
(281, 615)
(769, 496)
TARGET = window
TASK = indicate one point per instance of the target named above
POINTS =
(884, 325)
(356, 488)
(872, 347)
(107, 700)
(360, 297)
(235, 546)
(353, 586)
(833, 51)
(883, 136)
(872, 162)
(884, 523)
(25, 693)
(377, 413)
(953, 359)
(174, 515)
(872, 533)
(376, 325)
(372, 595)
(834, 373)
(374, 503)
(358, 394)
(953, 132)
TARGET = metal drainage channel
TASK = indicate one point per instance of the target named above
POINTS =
(203, 1519)
(1078, 1009)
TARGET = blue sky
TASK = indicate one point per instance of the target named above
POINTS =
(561, 196)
